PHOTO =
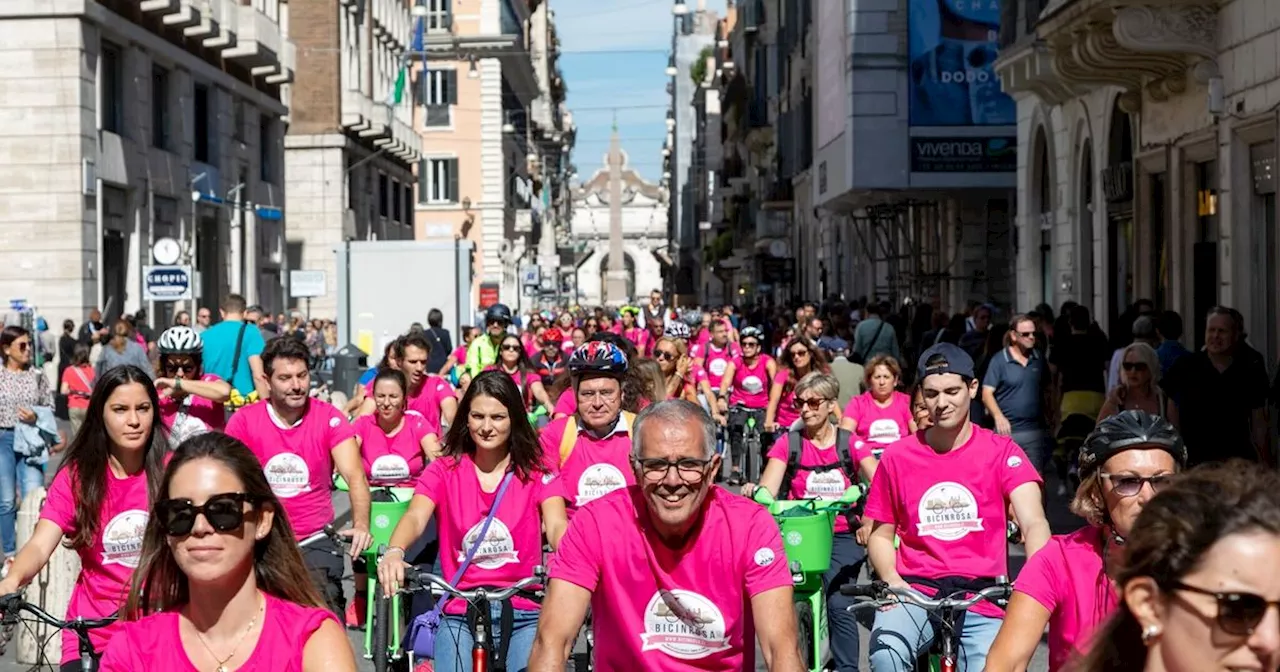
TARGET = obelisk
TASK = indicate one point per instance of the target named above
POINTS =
(616, 275)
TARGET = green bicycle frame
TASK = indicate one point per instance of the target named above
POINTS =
(807, 541)
(383, 518)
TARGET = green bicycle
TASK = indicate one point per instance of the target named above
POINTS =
(808, 528)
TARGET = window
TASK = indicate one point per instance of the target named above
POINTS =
(395, 201)
(438, 181)
(383, 208)
(159, 108)
(200, 101)
(266, 149)
(111, 88)
(238, 112)
(408, 203)
(436, 91)
(439, 15)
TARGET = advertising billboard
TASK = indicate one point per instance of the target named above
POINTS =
(952, 48)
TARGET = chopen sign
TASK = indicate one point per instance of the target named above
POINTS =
(166, 283)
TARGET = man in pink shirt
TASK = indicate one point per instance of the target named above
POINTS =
(713, 359)
(945, 492)
(429, 395)
(300, 441)
(671, 567)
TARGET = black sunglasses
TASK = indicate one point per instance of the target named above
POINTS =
(1134, 366)
(1238, 613)
(225, 512)
(511, 348)
(664, 355)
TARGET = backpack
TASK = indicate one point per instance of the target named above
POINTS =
(844, 462)
(570, 437)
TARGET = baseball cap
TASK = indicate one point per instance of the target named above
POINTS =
(949, 359)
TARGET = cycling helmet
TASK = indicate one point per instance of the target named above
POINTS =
(180, 341)
(498, 312)
(632, 310)
(751, 332)
(552, 335)
(676, 329)
(693, 318)
(598, 357)
(1129, 429)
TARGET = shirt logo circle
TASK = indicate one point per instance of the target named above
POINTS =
(597, 481)
(1014, 462)
(334, 422)
(691, 627)
(948, 511)
(389, 468)
(883, 430)
(752, 384)
(497, 549)
(122, 538)
(288, 475)
(717, 366)
(828, 484)
(764, 557)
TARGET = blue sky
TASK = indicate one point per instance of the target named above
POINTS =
(615, 55)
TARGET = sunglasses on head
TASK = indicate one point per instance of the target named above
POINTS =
(225, 512)
(1134, 366)
(1239, 613)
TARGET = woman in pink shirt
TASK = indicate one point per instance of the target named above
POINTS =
(1069, 584)
(636, 333)
(190, 399)
(491, 443)
(513, 361)
(222, 585)
(881, 415)
(800, 358)
(98, 502)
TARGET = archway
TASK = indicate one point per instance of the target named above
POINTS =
(1084, 231)
(628, 265)
(1118, 183)
(1044, 217)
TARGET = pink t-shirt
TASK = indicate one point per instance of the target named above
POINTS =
(298, 460)
(638, 336)
(786, 413)
(106, 568)
(512, 546)
(426, 402)
(611, 551)
(809, 483)
(950, 509)
(879, 426)
(392, 460)
(197, 408)
(155, 642)
(1067, 577)
(751, 383)
(567, 403)
(595, 468)
(715, 360)
(460, 355)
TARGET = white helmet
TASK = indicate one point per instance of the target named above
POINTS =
(180, 341)
(676, 329)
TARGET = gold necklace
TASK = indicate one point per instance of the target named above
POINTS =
(222, 663)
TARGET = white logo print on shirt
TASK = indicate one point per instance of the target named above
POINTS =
(122, 538)
(752, 384)
(824, 484)
(497, 549)
(948, 511)
(883, 430)
(288, 475)
(597, 481)
(699, 634)
(389, 468)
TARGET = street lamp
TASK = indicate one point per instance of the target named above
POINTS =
(680, 9)
(671, 66)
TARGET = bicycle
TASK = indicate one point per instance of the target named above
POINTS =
(477, 599)
(808, 528)
(750, 444)
(12, 606)
(942, 655)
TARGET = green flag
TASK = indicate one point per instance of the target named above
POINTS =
(400, 82)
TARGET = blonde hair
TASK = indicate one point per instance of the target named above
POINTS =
(824, 385)
(1088, 503)
(650, 374)
(1147, 355)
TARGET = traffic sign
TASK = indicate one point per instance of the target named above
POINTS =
(306, 284)
(166, 283)
(530, 275)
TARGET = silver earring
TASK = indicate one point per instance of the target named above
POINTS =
(1150, 634)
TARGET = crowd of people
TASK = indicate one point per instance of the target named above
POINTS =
(199, 461)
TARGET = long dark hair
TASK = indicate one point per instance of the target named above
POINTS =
(1172, 534)
(159, 583)
(88, 455)
(10, 334)
(523, 364)
(817, 362)
(523, 446)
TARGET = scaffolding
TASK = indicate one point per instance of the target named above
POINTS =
(902, 244)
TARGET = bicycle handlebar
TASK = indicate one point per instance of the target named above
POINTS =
(417, 579)
(883, 594)
(847, 500)
(329, 532)
(13, 604)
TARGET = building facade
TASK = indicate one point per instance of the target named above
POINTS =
(351, 146)
(694, 34)
(1148, 131)
(128, 122)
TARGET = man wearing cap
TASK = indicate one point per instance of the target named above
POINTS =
(945, 492)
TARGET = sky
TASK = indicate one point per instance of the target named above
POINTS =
(613, 58)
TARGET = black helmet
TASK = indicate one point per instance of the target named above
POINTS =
(498, 312)
(1130, 429)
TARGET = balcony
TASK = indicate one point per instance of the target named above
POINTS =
(1060, 49)
(258, 41)
(382, 126)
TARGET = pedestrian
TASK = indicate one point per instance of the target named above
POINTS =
(439, 338)
(1169, 331)
(1139, 388)
(77, 386)
(874, 336)
(979, 323)
(182, 319)
(123, 350)
(203, 320)
(1015, 391)
(1143, 331)
(1080, 358)
(93, 330)
(233, 350)
(66, 349)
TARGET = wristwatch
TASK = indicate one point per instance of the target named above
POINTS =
(388, 550)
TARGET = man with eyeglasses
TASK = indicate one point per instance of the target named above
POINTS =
(589, 447)
(944, 493)
(679, 574)
(1016, 392)
(483, 351)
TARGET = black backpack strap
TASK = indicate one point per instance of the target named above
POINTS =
(235, 358)
(794, 445)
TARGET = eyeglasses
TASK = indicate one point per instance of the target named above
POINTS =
(225, 512)
(511, 348)
(664, 355)
(812, 403)
(588, 396)
(1128, 486)
(182, 367)
(799, 353)
(499, 323)
(1238, 613)
(750, 344)
(690, 470)
(1025, 334)
(1134, 366)
(22, 346)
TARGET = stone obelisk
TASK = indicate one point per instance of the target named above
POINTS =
(616, 275)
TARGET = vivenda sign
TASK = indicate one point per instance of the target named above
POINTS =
(964, 155)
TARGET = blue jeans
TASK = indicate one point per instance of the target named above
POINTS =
(17, 478)
(847, 558)
(904, 632)
(453, 642)
(1038, 446)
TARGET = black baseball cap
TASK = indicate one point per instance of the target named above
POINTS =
(947, 358)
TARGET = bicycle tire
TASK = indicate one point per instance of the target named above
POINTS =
(805, 632)
(381, 639)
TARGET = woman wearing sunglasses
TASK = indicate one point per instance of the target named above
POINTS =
(1139, 388)
(492, 441)
(514, 361)
(1070, 583)
(1199, 591)
(222, 585)
(673, 360)
(190, 399)
(800, 358)
(98, 502)
(22, 390)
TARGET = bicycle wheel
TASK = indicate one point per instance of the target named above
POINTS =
(381, 640)
(805, 630)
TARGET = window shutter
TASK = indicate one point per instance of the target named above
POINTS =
(424, 167)
(452, 194)
(450, 88)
